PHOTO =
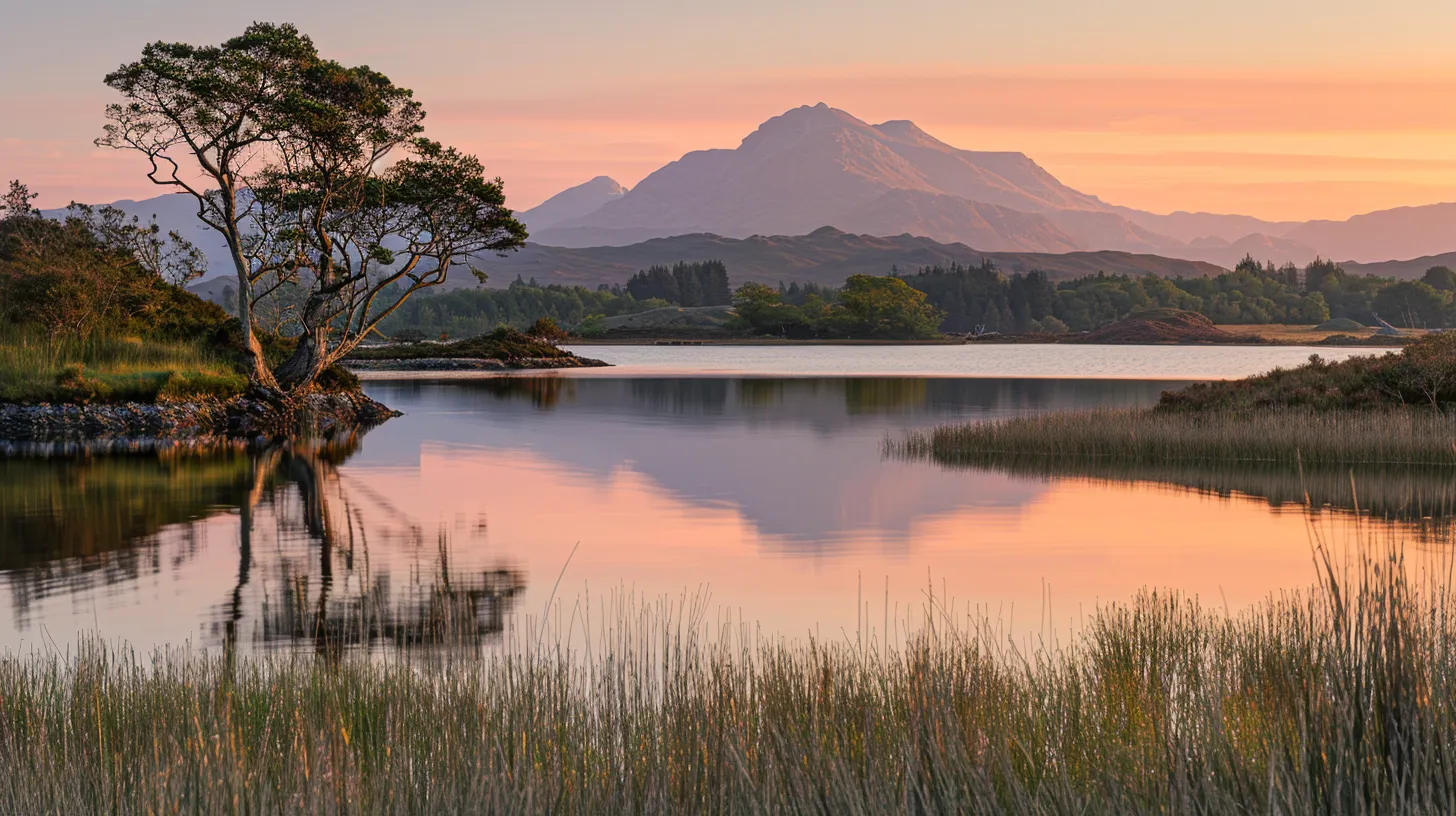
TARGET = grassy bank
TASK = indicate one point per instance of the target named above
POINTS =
(1283, 436)
(1342, 700)
(1390, 409)
(111, 369)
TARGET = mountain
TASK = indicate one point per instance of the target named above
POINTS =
(1189, 227)
(1258, 246)
(175, 212)
(1403, 232)
(827, 256)
(1403, 270)
(575, 202)
(817, 165)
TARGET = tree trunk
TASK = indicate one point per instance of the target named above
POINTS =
(302, 367)
(258, 373)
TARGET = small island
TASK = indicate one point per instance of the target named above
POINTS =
(1389, 410)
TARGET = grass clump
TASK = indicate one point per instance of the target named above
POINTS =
(505, 344)
(112, 369)
(1289, 437)
(1341, 700)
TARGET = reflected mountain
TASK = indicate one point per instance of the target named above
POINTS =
(798, 457)
(317, 566)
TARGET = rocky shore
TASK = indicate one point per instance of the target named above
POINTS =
(472, 364)
(123, 427)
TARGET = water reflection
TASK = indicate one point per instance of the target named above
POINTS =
(1416, 500)
(799, 457)
(773, 494)
(318, 565)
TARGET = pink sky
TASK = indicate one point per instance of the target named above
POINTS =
(1285, 109)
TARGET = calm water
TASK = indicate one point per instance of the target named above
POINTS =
(981, 360)
(769, 493)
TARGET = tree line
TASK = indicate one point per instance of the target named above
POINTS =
(465, 312)
(982, 298)
(703, 283)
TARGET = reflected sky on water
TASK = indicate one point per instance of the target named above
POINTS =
(774, 495)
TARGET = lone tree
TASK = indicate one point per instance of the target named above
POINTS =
(288, 157)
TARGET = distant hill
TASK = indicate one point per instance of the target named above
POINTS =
(573, 202)
(1403, 232)
(827, 256)
(179, 213)
(1189, 227)
(1403, 270)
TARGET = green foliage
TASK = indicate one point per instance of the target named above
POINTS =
(546, 329)
(883, 307)
(82, 277)
(982, 299)
(868, 307)
(1422, 373)
(1412, 304)
(762, 311)
(85, 315)
(297, 150)
(685, 284)
(1440, 278)
(464, 312)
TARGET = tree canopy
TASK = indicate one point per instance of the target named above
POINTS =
(289, 156)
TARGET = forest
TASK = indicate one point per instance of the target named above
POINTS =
(972, 298)
(981, 298)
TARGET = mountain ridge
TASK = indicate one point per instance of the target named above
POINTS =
(816, 165)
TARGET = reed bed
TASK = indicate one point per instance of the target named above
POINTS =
(1339, 700)
(1291, 436)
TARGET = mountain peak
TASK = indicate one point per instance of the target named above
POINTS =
(804, 118)
(905, 130)
(605, 184)
(573, 202)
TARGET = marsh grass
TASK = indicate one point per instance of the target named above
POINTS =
(34, 368)
(1288, 436)
(1339, 700)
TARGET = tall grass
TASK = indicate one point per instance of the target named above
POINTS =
(1404, 436)
(1340, 700)
(35, 368)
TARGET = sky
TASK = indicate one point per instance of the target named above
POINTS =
(1282, 109)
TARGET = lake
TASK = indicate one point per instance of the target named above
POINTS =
(752, 478)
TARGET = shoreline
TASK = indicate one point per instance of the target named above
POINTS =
(471, 364)
(1005, 340)
(35, 429)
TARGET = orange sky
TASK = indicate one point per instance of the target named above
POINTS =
(1277, 146)
(1286, 109)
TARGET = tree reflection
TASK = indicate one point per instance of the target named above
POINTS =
(323, 564)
